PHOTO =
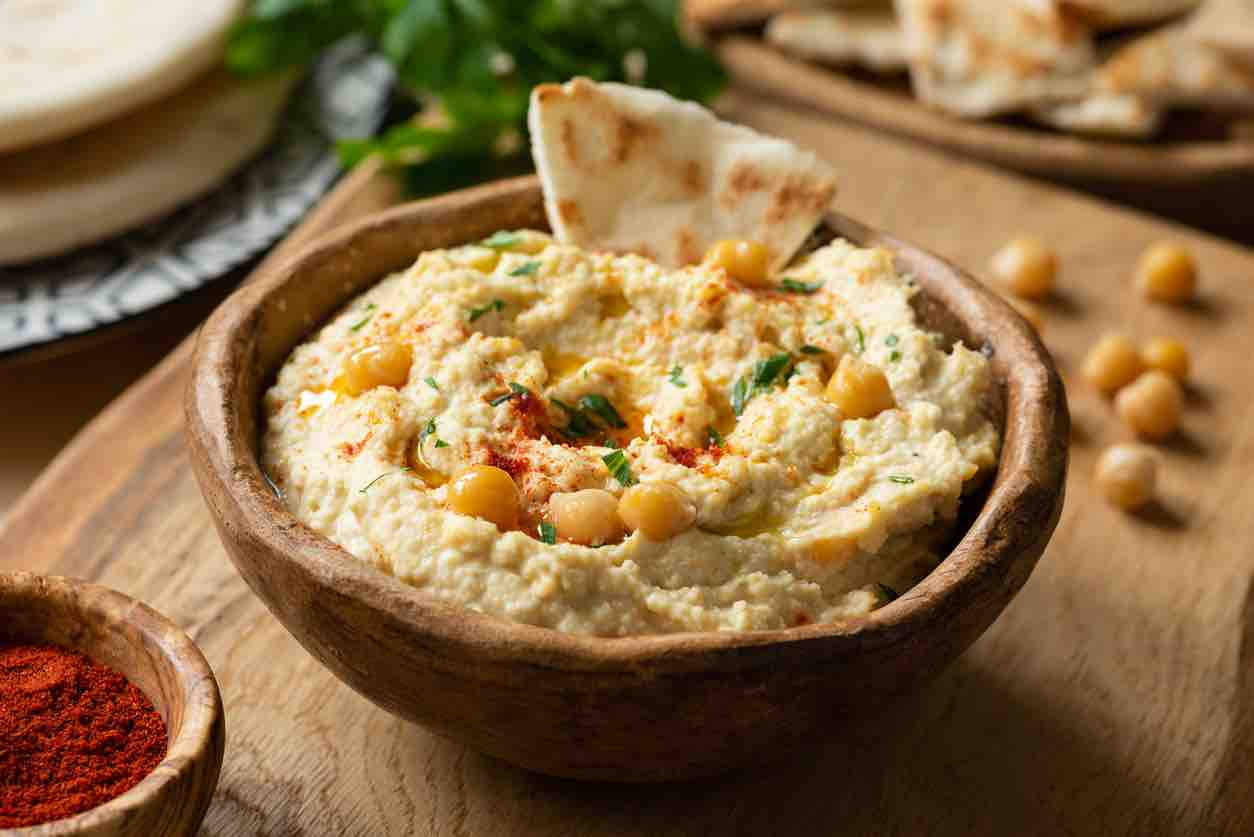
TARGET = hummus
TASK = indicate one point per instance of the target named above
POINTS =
(517, 344)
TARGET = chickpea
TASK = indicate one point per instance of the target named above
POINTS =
(747, 262)
(1026, 267)
(1151, 405)
(1168, 355)
(658, 509)
(488, 493)
(1029, 312)
(1166, 273)
(1113, 362)
(588, 517)
(1127, 475)
(859, 389)
(383, 364)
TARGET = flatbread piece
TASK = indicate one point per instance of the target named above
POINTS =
(1117, 14)
(869, 37)
(1171, 66)
(631, 170)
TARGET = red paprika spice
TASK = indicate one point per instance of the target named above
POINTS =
(73, 734)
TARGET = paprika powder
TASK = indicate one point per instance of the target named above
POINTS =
(73, 734)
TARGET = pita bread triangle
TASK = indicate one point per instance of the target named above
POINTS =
(626, 169)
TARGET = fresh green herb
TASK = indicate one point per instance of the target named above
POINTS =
(900, 479)
(891, 340)
(601, 407)
(360, 324)
(494, 305)
(548, 532)
(501, 240)
(713, 437)
(431, 383)
(476, 62)
(795, 286)
(807, 349)
(528, 269)
(440, 443)
(381, 476)
(608, 442)
(894, 356)
(823, 321)
(578, 425)
(859, 343)
(885, 593)
(677, 377)
(515, 390)
(620, 468)
(429, 430)
(740, 395)
(763, 376)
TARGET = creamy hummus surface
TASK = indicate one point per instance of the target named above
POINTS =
(543, 360)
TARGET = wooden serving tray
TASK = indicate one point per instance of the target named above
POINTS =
(1114, 696)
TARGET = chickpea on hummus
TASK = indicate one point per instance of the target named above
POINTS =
(593, 443)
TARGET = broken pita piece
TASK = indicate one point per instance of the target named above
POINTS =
(1228, 26)
(1102, 114)
(626, 169)
(1172, 67)
(1117, 14)
(866, 37)
(975, 58)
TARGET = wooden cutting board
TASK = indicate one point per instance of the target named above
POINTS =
(1114, 696)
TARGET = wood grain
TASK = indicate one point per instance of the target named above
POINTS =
(1114, 696)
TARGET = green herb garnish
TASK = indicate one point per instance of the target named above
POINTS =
(601, 407)
(440, 443)
(515, 390)
(381, 476)
(713, 437)
(891, 340)
(429, 430)
(795, 286)
(885, 593)
(763, 376)
(527, 269)
(740, 395)
(900, 479)
(807, 349)
(859, 344)
(620, 468)
(578, 424)
(677, 377)
(360, 324)
(494, 305)
(501, 240)
(431, 383)
(548, 532)
(894, 356)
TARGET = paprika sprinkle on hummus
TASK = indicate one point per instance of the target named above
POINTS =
(74, 734)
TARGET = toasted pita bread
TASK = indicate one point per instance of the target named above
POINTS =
(869, 38)
(975, 58)
(1171, 66)
(632, 170)
(1226, 25)
(66, 65)
(1103, 115)
(1117, 14)
(94, 185)
(725, 14)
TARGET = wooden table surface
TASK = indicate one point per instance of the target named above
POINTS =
(1114, 696)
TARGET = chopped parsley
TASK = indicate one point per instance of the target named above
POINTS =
(859, 343)
(579, 425)
(900, 479)
(620, 468)
(527, 269)
(360, 324)
(740, 396)
(795, 286)
(381, 476)
(601, 407)
(894, 356)
(763, 377)
(429, 430)
(891, 340)
(548, 532)
(515, 390)
(440, 443)
(807, 349)
(713, 437)
(501, 240)
(677, 377)
(886, 593)
(494, 305)
(431, 383)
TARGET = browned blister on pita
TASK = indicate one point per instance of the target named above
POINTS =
(1171, 66)
(974, 58)
(626, 169)
(866, 37)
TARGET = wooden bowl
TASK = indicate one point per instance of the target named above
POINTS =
(156, 656)
(630, 709)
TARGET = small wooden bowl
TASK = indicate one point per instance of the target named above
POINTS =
(632, 709)
(135, 640)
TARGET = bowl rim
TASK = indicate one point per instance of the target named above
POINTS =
(993, 557)
(203, 720)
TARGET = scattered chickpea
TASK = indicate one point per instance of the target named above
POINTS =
(1029, 311)
(1168, 355)
(658, 509)
(747, 262)
(1026, 267)
(382, 364)
(1113, 362)
(1166, 273)
(1127, 475)
(859, 389)
(1151, 405)
(488, 493)
(588, 517)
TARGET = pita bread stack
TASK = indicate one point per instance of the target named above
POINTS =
(112, 114)
(626, 169)
(1107, 68)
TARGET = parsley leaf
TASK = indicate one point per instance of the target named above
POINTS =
(713, 437)
(795, 286)
(440, 443)
(528, 269)
(431, 383)
(494, 305)
(859, 343)
(677, 377)
(885, 593)
(578, 424)
(891, 340)
(548, 532)
(894, 356)
(515, 390)
(620, 468)
(360, 324)
(601, 407)
(807, 349)
(429, 430)
(740, 395)
(763, 376)
(501, 240)
(900, 479)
